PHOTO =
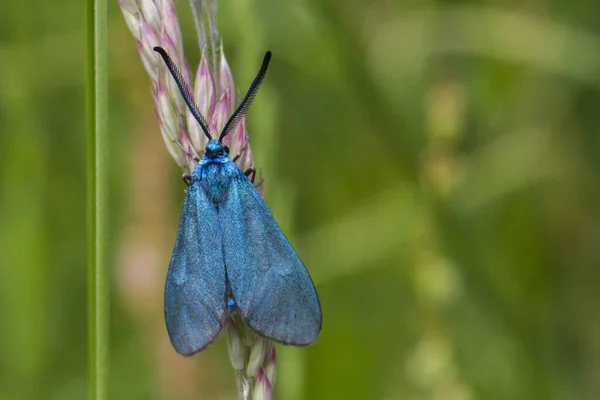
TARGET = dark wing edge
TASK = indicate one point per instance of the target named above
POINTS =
(270, 284)
(195, 285)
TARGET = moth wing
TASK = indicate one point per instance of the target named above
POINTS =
(195, 286)
(270, 284)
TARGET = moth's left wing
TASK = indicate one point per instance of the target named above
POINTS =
(270, 285)
(195, 286)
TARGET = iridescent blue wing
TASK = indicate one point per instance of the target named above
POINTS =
(270, 285)
(195, 287)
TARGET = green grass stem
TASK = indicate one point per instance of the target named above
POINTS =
(97, 187)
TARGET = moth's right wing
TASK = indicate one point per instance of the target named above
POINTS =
(195, 287)
(269, 283)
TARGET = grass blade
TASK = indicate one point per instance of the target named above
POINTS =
(97, 187)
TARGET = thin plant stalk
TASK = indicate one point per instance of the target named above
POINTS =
(97, 188)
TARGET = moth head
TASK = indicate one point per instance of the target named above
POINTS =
(215, 149)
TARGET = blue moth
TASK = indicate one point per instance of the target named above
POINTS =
(230, 256)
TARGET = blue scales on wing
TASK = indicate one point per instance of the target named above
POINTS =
(270, 285)
(195, 287)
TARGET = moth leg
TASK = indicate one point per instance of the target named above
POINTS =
(187, 179)
(196, 158)
(239, 154)
(259, 182)
(251, 171)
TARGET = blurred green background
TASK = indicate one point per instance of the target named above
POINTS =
(436, 165)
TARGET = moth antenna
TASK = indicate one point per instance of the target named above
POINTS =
(247, 101)
(184, 89)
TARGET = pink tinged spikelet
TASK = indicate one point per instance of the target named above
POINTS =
(172, 148)
(238, 352)
(204, 94)
(190, 152)
(245, 160)
(148, 65)
(226, 80)
(165, 110)
(204, 88)
(128, 6)
(262, 388)
(220, 116)
(167, 43)
(187, 75)
(270, 364)
(170, 46)
(185, 71)
(257, 357)
(131, 15)
(170, 24)
(175, 151)
(172, 88)
(148, 40)
(238, 138)
(168, 118)
(150, 13)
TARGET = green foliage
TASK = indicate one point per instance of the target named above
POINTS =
(435, 166)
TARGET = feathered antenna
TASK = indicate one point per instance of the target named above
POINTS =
(185, 90)
(247, 101)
